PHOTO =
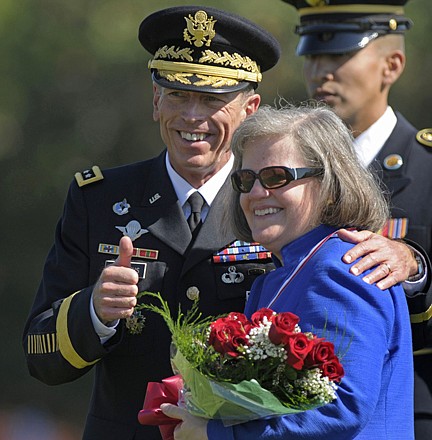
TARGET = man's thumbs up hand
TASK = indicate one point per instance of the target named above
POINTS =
(114, 294)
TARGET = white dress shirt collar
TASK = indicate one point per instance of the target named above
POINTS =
(209, 190)
(369, 143)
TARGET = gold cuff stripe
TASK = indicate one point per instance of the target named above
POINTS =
(373, 9)
(42, 344)
(65, 344)
(199, 69)
(421, 317)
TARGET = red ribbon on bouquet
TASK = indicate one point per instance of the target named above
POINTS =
(157, 393)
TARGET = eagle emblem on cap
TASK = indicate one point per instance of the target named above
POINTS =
(200, 29)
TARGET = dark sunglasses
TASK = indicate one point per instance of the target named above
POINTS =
(270, 177)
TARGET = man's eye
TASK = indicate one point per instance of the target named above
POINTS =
(215, 99)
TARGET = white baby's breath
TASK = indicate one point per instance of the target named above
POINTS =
(313, 383)
(260, 347)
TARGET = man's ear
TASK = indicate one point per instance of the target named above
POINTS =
(252, 104)
(395, 65)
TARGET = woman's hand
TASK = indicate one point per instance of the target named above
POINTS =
(191, 428)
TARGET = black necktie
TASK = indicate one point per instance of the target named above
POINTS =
(196, 202)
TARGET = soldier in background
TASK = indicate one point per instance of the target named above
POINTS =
(353, 54)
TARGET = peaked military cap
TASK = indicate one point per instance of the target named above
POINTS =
(343, 26)
(204, 49)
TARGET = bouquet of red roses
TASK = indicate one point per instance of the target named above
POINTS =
(239, 369)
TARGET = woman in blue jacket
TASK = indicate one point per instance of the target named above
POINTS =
(297, 181)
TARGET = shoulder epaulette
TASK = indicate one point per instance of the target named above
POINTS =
(89, 176)
(425, 137)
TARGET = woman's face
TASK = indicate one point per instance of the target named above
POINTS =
(278, 216)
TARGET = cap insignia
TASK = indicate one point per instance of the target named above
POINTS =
(199, 29)
(425, 137)
(393, 24)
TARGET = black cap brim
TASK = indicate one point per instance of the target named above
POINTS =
(177, 85)
(333, 43)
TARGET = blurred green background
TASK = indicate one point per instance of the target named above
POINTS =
(74, 92)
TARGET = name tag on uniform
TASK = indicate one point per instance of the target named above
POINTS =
(138, 266)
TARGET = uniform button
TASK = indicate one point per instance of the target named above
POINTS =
(193, 293)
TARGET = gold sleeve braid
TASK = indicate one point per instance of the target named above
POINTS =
(64, 342)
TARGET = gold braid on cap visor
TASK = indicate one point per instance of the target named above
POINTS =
(222, 75)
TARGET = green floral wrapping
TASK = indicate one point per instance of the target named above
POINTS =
(232, 403)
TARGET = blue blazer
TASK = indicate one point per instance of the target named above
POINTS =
(375, 398)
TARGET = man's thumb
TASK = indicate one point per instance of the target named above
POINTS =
(125, 252)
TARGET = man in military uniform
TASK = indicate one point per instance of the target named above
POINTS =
(354, 53)
(154, 225)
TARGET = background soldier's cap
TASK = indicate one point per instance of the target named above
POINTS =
(204, 49)
(343, 26)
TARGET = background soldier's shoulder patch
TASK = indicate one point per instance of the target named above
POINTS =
(89, 176)
(425, 137)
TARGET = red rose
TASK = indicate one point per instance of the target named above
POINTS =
(333, 369)
(321, 352)
(297, 348)
(257, 318)
(236, 316)
(226, 335)
(283, 325)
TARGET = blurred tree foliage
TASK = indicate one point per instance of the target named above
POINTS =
(75, 91)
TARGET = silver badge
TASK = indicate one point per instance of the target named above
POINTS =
(132, 229)
(232, 276)
(121, 208)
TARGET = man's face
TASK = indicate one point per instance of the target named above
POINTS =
(197, 128)
(351, 83)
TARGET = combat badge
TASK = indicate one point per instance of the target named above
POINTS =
(89, 176)
(425, 137)
(121, 208)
